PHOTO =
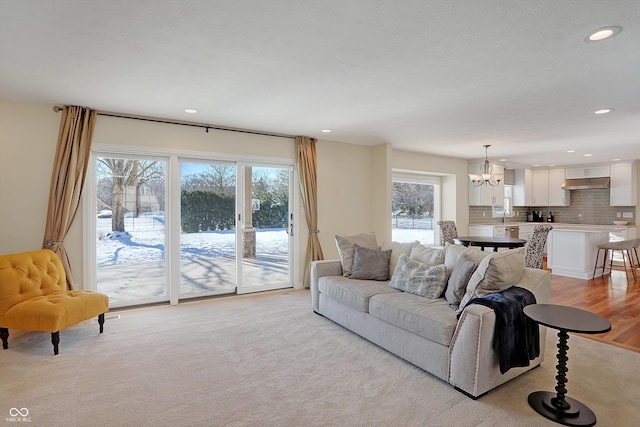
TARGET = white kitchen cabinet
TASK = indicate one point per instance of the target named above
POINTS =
(523, 188)
(540, 187)
(623, 191)
(481, 230)
(593, 171)
(557, 196)
(485, 195)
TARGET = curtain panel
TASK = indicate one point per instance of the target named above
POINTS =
(68, 178)
(307, 171)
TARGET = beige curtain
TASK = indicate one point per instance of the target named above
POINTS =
(67, 178)
(307, 171)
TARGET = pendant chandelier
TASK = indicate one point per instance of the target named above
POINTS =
(486, 175)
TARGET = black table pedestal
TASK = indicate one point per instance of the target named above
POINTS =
(577, 414)
(556, 406)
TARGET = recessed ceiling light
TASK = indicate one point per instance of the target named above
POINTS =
(190, 110)
(616, 160)
(603, 33)
(325, 130)
(503, 160)
(603, 111)
(571, 151)
(551, 166)
(536, 165)
(588, 155)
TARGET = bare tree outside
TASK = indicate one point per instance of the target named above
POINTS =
(115, 176)
(218, 178)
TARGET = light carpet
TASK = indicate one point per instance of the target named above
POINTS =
(268, 360)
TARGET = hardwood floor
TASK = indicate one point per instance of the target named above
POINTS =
(609, 296)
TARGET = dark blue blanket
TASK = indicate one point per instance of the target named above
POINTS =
(516, 337)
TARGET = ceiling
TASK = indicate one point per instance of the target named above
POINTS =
(438, 77)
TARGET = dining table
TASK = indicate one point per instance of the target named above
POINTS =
(494, 242)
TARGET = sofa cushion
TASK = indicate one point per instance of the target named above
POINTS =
(429, 318)
(497, 272)
(371, 264)
(353, 292)
(457, 284)
(397, 249)
(346, 249)
(426, 254)
(419, 278)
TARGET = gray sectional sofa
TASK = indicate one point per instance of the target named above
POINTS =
(426, 331)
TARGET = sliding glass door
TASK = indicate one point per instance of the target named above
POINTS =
(172, 228)
(130, 229)
(267, 228)
(207, 228)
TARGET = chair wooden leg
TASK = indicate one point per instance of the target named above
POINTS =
(55, 339)
(4, 335)
(101, 322)
(595, 267)
(632, 264)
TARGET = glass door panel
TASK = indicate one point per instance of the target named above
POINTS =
(130, 230)
(267, 228)
(207, 228)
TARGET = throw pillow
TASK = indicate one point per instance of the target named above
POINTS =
(453, 252)
(370, 264)
(418, 278)
(345, 248)
(427, 255)
(495, 273)
(397, 249)
(457, 284)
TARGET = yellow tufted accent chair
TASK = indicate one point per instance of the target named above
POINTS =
(33, 296)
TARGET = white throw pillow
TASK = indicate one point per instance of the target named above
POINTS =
(345, 248)
(426, 254)
(495, 273)
(418, 278)
(397, 249)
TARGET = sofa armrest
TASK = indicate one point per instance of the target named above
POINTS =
(538, 282)
(318, 269)
(474, 367)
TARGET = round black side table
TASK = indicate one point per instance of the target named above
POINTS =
(557, 406)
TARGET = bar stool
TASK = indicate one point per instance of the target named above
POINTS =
(628, 246)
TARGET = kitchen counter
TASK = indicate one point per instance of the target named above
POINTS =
(572, 251)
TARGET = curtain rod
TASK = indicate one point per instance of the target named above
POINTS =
(191, 124)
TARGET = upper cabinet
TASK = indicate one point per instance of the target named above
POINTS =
(594, 171)
(485, 195)
(540, 187)
(557, 196)
(624, 180)
(523, 188)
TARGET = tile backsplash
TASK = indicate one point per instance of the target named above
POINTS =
(587, 207)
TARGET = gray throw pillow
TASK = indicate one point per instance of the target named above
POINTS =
(345, 248)
(370, 264)
(458, 280)
(418, 278)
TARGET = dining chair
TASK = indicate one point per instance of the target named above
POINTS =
(448, 231)
(534, 249)
(626, 247)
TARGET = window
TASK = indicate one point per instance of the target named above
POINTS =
(415, 207)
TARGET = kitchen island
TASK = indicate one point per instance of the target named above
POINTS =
(572, 251)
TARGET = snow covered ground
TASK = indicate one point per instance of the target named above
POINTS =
(131, 268)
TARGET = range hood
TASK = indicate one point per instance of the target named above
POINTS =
(585, 183)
